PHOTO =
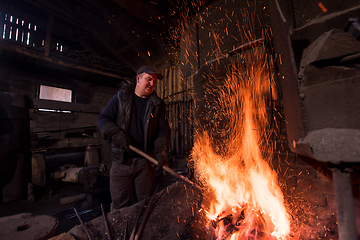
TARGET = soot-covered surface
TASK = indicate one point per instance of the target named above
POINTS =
(174, 215)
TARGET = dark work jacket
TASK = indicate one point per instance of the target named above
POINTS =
(155, 122)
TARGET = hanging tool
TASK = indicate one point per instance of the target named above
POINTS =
(166, 168)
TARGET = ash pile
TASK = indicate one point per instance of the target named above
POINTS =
(173, 213)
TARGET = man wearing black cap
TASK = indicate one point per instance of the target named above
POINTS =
(136, 116)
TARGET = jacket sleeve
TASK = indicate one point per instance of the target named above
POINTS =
(162, 141)
(107, 119)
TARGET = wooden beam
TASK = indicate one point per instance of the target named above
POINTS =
(113, 50)
(98, 8)
(53, 7)
(9, 46)
(146, 11)
(69, 14)
(41, 24)
(71, 143)
(160, 41)
(36, 103)
(56, 105)
(48, 34)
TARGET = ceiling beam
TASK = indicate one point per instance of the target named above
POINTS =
(40, 23)
(54, 60)
(99, 8)
(146, 11)
(68, 14)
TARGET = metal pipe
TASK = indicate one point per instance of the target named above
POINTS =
(82, 224)
(344, 204)
(106, 223)
(125, 231)
(148, 209)
(132, 236)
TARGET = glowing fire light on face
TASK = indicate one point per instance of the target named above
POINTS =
(245, 200)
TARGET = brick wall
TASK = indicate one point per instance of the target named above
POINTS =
(308, 189)
(309, 194)
(307, 184)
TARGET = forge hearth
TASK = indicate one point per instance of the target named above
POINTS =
(174, 215)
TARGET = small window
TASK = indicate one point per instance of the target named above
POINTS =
(55, 94)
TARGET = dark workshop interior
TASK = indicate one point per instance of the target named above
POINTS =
(61, 62)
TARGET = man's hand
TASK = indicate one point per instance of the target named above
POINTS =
(121, 140)
(162, 159)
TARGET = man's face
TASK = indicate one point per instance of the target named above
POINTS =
(145, 84)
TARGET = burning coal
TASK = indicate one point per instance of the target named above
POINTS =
(245, 199)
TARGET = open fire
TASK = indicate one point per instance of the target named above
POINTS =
(245, 200)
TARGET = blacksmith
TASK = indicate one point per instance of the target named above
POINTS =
(136, 116)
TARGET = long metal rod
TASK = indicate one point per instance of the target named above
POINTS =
(166, 168)
(82, 224)
(125, 231)
(132, 236)
(148, 209)
(106, 223)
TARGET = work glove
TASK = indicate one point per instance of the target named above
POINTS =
(162, 160)
(121, 140)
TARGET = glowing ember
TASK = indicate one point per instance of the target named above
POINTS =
(245, 200)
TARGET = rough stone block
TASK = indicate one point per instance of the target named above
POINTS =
(306, 172)
(316, 199)
(287, 158)
(331, 201)
(324, 212)
(322, 187)
(304, 184)
(323, 176)
(286, 172)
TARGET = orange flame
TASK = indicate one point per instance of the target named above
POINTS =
(234, 167)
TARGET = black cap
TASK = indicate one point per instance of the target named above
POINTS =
(150, 70)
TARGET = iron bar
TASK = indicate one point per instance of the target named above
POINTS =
(166, 168)
(138, 219)
(148, 209)
(106, 223)
(82, 224)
